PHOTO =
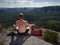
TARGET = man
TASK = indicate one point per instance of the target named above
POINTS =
(21, 25)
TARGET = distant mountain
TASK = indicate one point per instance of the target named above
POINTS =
(10, 15)
(44, 12)
(44, 9)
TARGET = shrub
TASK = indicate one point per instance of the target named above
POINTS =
(50, 36)
(54, 25)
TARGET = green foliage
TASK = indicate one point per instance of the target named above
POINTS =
(38, 16)
(50, 36)
(55, 25)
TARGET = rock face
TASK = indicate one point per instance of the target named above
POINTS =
(21, 40)
(3, 37)
(35, 41)
(25, 39)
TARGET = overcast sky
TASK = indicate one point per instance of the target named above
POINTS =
(28, 3)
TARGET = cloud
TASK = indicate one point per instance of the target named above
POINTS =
(25, 3)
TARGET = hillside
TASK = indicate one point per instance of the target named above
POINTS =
(8, 16)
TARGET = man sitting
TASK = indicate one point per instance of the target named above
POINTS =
(22, 25)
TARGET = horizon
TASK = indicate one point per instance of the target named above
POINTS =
(29, 7)
(28, 3)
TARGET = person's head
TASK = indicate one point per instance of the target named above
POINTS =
(21, 15)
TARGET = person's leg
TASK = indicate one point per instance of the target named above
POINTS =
(26, 31)
(19, 33)
(11, 34)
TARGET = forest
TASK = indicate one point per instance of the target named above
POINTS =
(46, 17)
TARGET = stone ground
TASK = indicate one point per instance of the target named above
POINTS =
(25, 40)
(21, 40)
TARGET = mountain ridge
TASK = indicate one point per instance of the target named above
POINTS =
(8, 16)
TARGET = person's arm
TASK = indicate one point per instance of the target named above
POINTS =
(16, 25)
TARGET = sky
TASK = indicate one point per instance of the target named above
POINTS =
(28, 3)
